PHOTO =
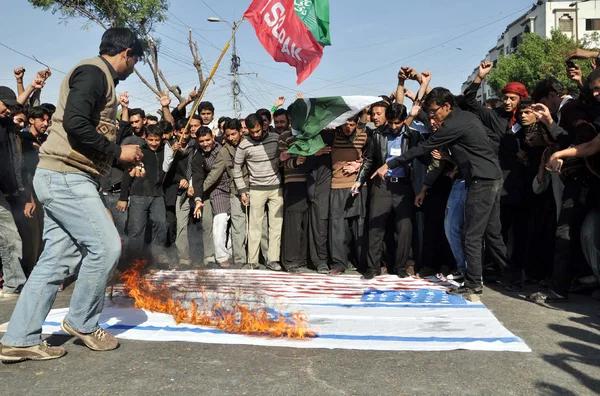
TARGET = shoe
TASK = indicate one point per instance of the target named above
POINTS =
(425, 272)
(410, 270)
(465, 290)
(6, 294)
(403, 275)
(370, 274)
(41, 351)
(185, 262)
(455, 276)
(273, 266)
(99, 340)
(251, 266)
(295, 270)
(335, 272)
(212, 265)
(322, 269)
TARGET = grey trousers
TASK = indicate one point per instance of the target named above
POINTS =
(182, 213)
(11, 249)
(238, 230)
(208, 244)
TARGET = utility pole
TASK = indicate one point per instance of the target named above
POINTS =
(236, 90)
(235, 84)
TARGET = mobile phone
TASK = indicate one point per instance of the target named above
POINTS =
(570, 64)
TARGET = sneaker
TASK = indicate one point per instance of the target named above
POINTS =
(465, 290)
(41, 351)
(273, 266)
(7, 294)
(455, 276)
(99, 340)
(295, 270)
(322, 269)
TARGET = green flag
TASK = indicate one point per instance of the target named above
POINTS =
(311, 116)
(315, 15)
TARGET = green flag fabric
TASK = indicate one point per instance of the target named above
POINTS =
(311, 116)
(315, 15)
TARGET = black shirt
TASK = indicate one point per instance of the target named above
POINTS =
(88, 87)
(466, 138)
(151, 184)
(9, 158)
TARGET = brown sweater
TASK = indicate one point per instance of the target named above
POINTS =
(290, 173)
(345, 149)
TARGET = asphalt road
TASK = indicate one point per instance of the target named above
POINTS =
(565, 340)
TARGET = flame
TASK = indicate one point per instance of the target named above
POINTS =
(232, 317)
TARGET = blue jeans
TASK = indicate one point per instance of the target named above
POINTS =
(77, 231)
(454, 222)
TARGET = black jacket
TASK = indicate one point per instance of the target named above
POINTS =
(468, 143)
(498, 121)
(10, 159)
(30, 146)
(377, 151)
(149, 185)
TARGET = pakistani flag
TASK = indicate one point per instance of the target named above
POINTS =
(311, 116)
(315, 15)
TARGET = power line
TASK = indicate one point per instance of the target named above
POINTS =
(210, 8)
(420, 52)
(32, 58)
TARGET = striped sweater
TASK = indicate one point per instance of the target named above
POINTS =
(346, 149)
(290, 173)
(262, 159)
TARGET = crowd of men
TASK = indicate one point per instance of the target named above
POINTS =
(441, 190)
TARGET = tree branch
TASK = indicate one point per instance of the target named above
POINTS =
(173, 89)
(75, 5)
(154, 64)
(197, 60)
(146, 82)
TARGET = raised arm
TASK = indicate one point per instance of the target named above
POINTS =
(19, 74)
(165, 101)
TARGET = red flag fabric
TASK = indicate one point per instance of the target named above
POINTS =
(284, 35)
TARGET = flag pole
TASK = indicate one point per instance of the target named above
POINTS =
(210, 76)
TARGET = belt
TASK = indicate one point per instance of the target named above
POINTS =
(395, 179)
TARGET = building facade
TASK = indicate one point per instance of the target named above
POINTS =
(573, 18)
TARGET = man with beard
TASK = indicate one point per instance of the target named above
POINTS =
(11, 189)
(32, 217)
(136, 122)
(504, 124)
(178, 176)
(223, 169)
(347, 211)
(467, 140)
(78, 230)
(215, 205)
(280, 118)
(392, 195)
(259, 153)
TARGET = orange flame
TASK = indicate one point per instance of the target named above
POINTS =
(232, 317)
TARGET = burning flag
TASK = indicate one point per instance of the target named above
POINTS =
(285, 36)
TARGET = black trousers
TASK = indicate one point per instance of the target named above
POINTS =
(436, 250)
(579, 197)
(482, 219)
(391, 200)
(346, 228)
(171, 225)
(294, 247)
(318, 223)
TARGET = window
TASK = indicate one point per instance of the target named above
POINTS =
(592, 24)
(527, 29)
(565, 24)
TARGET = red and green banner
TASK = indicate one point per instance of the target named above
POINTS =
(286, 36)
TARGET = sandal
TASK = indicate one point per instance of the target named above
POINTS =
(549, 296)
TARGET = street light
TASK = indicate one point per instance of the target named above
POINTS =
(235, 64)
